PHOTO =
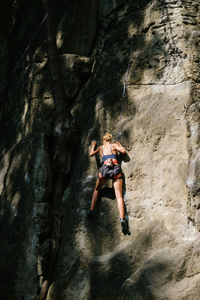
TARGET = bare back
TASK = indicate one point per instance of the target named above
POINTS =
(107, 149)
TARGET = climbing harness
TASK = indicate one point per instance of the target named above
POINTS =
(110, 168)
(26, 49)
(124, 95)
(110, 172)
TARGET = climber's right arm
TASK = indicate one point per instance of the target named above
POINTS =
(119, 147)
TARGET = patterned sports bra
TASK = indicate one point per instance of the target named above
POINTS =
(107, 156)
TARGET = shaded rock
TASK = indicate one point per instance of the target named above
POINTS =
(77, 28)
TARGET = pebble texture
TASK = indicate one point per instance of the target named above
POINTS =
(154, 46)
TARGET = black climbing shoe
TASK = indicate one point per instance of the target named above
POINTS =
(124, 226)
(90, 214)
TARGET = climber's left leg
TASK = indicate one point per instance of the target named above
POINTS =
(100, 182)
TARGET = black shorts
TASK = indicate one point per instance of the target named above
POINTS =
(110, 172)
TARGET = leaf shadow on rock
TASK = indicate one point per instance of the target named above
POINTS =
(110, 275)
(142, 283)
(128, 271)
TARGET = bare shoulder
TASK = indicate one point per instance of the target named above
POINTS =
(117, 146)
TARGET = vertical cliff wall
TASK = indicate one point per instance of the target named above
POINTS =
(66, 91)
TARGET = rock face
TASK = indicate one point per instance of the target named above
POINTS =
(130, 68)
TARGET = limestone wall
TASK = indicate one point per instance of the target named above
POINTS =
(46, 236)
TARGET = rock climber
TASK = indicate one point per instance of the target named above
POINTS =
(109, 170)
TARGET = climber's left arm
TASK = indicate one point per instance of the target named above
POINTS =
(92, 151)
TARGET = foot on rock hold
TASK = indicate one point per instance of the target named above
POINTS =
(124, 226)
(90, 214)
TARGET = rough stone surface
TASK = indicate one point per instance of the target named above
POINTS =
(152, 46)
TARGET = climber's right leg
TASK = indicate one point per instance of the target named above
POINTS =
(117, 183)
